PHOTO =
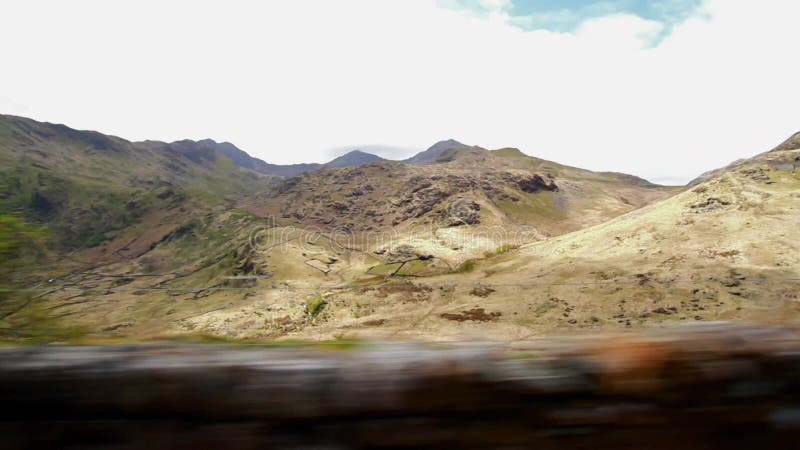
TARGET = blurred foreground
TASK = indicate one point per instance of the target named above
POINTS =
(705, 386)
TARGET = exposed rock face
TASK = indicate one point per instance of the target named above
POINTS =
(517, 189)
(710, 204)
(462, 211)
(402, 253)
(536, 183)
(381, 194)
(43, 207)
(758, 174)
(472, 315)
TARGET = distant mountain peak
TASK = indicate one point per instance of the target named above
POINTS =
(353, 158)
(357, 152)
(435, 151)
(793, 143)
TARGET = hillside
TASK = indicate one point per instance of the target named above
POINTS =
(467, 186)
(725, 250)
(272, 263)
(209, 149)
(86, 186)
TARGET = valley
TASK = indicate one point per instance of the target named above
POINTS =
(197, 238)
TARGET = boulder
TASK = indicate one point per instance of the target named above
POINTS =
(462, 211)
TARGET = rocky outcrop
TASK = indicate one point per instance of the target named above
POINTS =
(381, 194)
(388, 194)
(710, 204)
(462, 211)
(535, 183)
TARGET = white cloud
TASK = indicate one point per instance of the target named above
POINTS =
(286, 80)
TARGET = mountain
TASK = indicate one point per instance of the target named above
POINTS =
(353, 158)
(86, 186)
(727, 249)
(793, 143)
(207, 149)
(434, 152)
(507, 188)
(190, 237)
(249, 267)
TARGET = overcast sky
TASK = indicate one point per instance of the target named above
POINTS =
(661, 89)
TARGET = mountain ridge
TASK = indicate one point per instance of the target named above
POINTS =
(163, 225)
(780, 157)
(204, 149)
(432, 153)
(352, 158)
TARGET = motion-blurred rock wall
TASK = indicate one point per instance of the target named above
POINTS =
(703, 387)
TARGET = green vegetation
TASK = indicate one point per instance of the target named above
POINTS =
(412, 268)
(383, 269)
(465, 267)
(536, 206)
(502, 249)
(545, 307)
(315, 305)
(20, 244)
(29, 323)
(22, 318)
(84, 185)
(97, 239)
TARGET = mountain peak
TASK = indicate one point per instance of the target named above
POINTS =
(356, 152)
(452, 142)
(353, 158)
(435, 151)
(793, 143)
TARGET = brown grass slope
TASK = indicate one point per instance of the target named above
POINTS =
(283, 240)
(725, 250)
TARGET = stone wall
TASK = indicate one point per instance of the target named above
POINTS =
(704, 387)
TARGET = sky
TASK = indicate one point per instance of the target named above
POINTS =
(663, 89)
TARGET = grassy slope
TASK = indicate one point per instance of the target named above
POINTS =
(725, 250)
(736, 260)
(86, 186)
(146, 230)
(102, 200)
(118, 299)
